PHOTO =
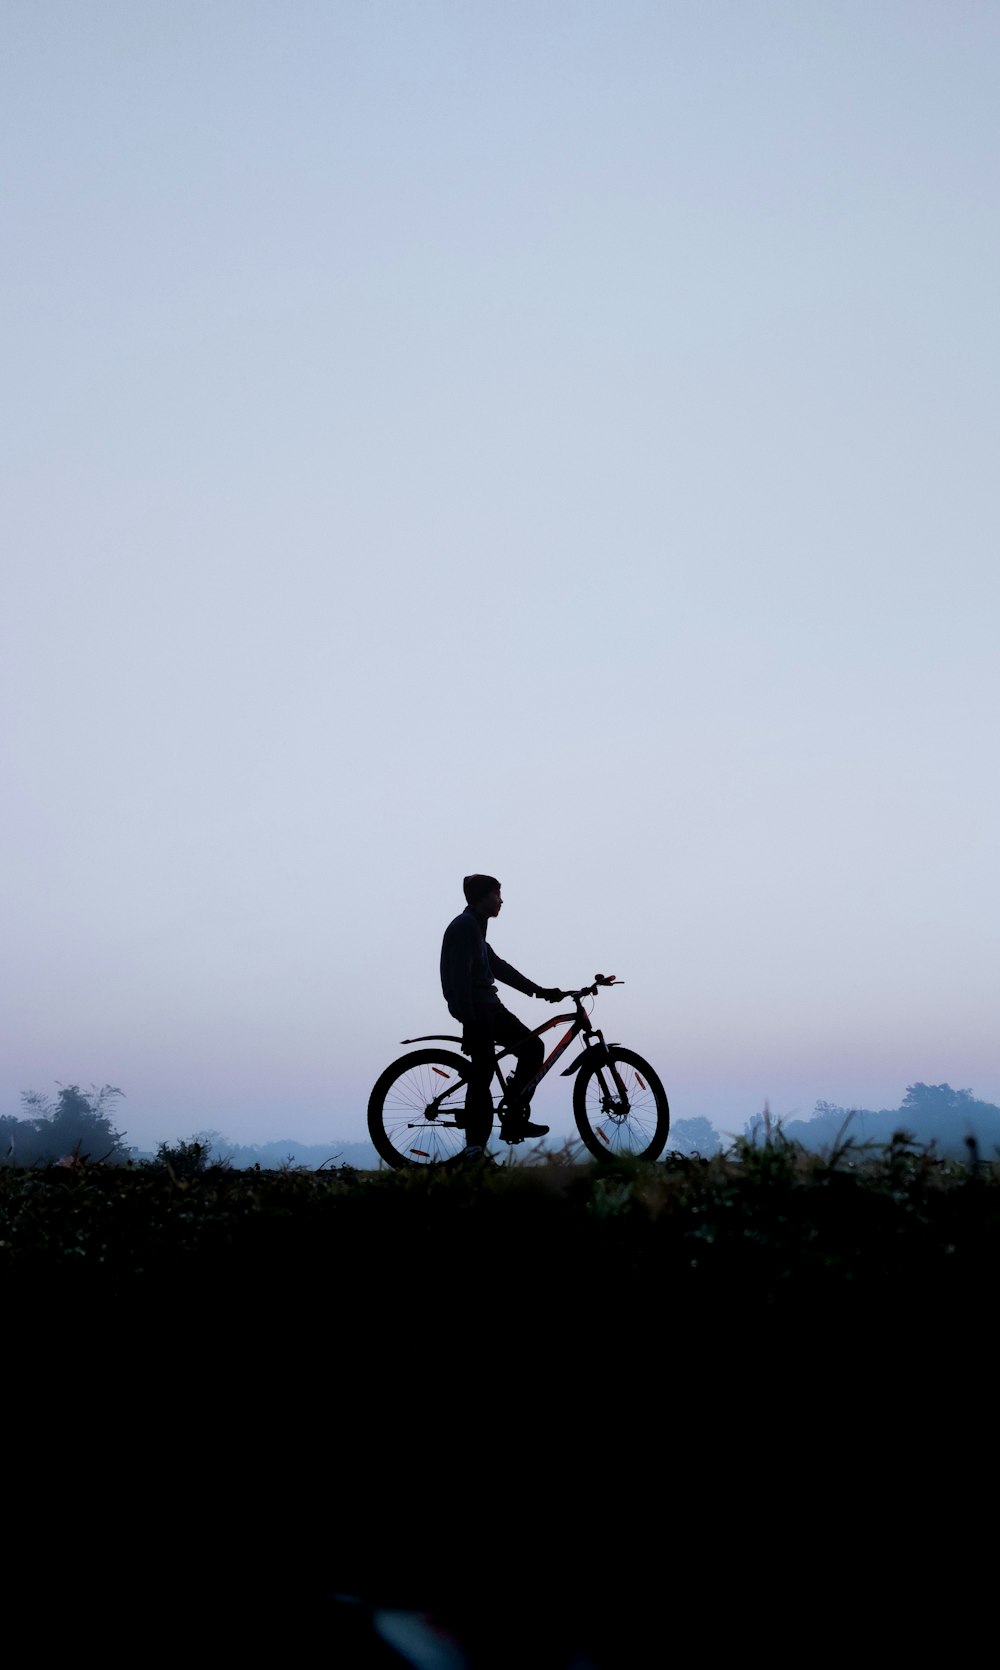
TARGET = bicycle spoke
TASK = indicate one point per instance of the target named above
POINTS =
(614, 1126)
(414, 1106)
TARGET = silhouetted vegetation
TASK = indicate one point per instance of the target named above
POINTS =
(184, 1160)
(928, 1114)
(74, 1128)
(377, 1385)
(767, 1221)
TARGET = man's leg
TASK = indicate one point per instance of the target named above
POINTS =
(527, 1047)
(478, 1042)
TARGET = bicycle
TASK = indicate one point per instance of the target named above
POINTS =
(416, 1111)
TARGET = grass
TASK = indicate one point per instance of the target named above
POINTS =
(568, 1406)
(768, 1223)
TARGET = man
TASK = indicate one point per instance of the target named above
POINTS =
(469, 968)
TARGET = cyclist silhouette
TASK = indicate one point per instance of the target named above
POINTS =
(469, 967)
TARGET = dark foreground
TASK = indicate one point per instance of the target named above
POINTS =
(577, 1418)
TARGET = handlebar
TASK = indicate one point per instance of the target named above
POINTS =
(591, 991)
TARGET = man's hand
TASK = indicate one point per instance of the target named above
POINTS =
(551, 994)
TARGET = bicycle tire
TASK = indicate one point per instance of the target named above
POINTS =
(637, 1131)
(411, 1110)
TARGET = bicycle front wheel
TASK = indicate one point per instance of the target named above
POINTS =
(613, 1125)
(416, 1112)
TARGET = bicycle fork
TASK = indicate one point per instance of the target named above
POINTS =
(596, 1053)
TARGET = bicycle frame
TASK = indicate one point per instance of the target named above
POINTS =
(579, 1025)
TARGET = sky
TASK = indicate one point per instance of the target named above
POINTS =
(556, 440)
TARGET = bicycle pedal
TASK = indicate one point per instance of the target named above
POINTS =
(520, 1131)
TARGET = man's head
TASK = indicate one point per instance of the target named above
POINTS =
(483, 894)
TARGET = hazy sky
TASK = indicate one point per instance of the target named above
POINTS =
(553, 439)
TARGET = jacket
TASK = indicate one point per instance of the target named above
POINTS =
(469, 967)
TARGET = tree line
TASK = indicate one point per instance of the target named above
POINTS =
(955, 1122)
(77, 1126)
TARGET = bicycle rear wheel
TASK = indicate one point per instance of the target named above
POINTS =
(614, 1127)
(416, 1112)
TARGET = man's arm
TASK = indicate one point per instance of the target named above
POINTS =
(510, 977)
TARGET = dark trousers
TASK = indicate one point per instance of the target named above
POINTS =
(495, 1024)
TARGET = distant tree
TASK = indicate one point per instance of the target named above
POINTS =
(936, 1098)
(929, 1114)
(694, 1136)
(830, 1126)
(76, 1125)
(950, 1119)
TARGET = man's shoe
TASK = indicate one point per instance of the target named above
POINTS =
(515, 1130)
